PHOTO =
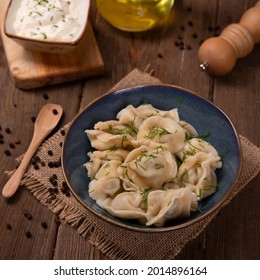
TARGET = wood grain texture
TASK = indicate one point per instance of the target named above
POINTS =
(172, 52)
(31, 69)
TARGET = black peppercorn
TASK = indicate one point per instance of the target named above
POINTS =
(8, 226)
(55, 112)
(28, 234)
(27, 215)
(8, 153)
(8, 130)
(44, 225)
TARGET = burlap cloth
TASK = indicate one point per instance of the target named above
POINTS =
(45, 180)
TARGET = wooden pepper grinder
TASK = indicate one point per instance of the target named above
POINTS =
(218, 55)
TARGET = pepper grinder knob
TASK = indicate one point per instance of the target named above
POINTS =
(218, 55)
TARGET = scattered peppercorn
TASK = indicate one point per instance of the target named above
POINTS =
(8, 130)
(36, 166)
(55, 190)
(44, 225)
(50, 153)
(57, 164)
(55, 112)
(51, 190)
(65, 189)
(62, 132)
(190, 23)
(8, 226)
(53, 181)
(8, 153)
(12, 146)
(27, 215)
(28, 234)
(45, 96)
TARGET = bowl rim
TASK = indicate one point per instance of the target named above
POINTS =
(154, 229)
(42, 41)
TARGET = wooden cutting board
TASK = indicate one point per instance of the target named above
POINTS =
(31, 69)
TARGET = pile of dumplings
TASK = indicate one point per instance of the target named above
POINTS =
(150, 166)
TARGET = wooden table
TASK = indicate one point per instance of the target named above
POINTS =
(234, 233)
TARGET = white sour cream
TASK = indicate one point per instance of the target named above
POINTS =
(54, 20)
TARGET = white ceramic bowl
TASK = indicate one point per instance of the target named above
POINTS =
(44, 45)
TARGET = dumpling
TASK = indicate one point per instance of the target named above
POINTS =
(110, 134)
(198, 173)
(125, 205)
(149, 165)
(190, 131)
(112, 154)
(196, 145)
(170, 204)
(146, 168)
(97, 158)
(158, 130)
(106, 182)
(133, 116)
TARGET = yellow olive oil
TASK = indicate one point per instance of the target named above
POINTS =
(134, 15)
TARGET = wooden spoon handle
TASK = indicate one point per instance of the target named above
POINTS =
(12, 185)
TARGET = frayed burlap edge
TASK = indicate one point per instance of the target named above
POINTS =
(72, 212)
(100, 233)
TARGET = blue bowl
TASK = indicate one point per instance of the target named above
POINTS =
(203, 115)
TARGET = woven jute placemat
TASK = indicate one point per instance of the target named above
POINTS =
(44, 178)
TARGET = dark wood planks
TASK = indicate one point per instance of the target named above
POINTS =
(234, 232)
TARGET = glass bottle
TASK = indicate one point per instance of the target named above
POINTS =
(134, 15)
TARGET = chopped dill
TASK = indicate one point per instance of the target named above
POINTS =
(179, 99)
(204, 135)
(226, 151)
(144, 195)
(184, 178)
(160, 147)
(156, 131)
(158, 166)
(113, 148)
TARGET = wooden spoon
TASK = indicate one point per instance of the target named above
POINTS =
(46, 121)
